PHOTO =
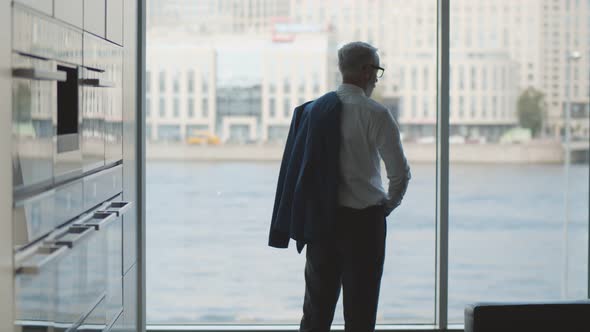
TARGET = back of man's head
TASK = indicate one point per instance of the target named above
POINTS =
(352, 56)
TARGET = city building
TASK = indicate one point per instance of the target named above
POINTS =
(240, 88)
(208, 17)
(239, 113)
(299, 66)
(565, 30)
(180, 94)
(499, 50)
(535, 35)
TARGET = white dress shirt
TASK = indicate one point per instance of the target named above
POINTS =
(369, 132)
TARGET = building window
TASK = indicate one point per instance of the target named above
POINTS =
(425, 83)
(316, 81)
(191, 107)
(205, 108)
(461, 78)
(176, 83)
(401, 78)
(461, 107)
(425, 107)
(316, 87)
(271, 107)
(176, 107)
(484, 107)
(494, 106)
(414, 78)
(287, 86)
(473, 106)
(473, 78)
(162, 107)
(495, 78)
(190, 77)
(162, 82)
(414, 106)
(148, 107)
(286, 108)
(484, 79)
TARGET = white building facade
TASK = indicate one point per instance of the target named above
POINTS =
(180, 90)
(499, 49)
(241, 94)
(298, 69)
(536, 36)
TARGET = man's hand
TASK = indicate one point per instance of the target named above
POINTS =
(387, 209)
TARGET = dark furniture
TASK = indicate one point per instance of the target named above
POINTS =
(555, 316)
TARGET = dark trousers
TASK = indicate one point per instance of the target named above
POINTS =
(352, 259)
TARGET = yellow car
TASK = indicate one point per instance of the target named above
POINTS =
(203, 138)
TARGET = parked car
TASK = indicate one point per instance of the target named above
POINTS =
(203, 138)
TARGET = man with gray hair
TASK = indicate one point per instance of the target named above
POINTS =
(353, 259)
(330, 196)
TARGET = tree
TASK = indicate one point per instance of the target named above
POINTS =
(531, 110)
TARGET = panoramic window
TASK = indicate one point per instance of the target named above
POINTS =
(518, 226)
(212, 170)
(223, 78)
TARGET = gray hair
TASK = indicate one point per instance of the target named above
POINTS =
(352, 56)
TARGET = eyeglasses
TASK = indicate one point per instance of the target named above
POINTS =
(380, 70)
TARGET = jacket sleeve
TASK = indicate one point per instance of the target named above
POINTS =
(278, 237)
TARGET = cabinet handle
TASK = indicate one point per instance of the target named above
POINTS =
(39, 75)
(98, 70)
(108, 218)
(117, 207)
(97, 83)
(79, 232)
(35, 266)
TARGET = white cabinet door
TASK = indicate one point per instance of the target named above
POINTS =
(95, 17)
(45, 6)
(115, 21)
(70, 11)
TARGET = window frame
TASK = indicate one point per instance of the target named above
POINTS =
(442, 187)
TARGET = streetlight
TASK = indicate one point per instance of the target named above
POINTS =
(572, 56)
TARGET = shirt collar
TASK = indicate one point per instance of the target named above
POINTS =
(350, 89)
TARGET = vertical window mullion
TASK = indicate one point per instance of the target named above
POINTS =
(442, 165)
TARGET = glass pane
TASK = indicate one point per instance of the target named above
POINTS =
(518, 226)
(242, 66)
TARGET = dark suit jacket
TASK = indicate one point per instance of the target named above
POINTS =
(307, 190)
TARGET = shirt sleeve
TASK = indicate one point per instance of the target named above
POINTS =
(389, 145)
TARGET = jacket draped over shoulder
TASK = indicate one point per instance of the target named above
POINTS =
(307, 190)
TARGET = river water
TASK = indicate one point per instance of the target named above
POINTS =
(208, 261)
